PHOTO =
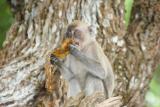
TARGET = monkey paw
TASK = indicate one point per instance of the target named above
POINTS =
(73, 49)
(53, 59)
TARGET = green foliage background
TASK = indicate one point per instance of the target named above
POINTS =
(5, 20)
(152, 96)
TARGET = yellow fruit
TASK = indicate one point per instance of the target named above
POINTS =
(62, 51)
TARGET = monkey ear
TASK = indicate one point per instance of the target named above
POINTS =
(93, 31)
(90, 28)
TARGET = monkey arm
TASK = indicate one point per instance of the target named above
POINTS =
(65, 71)
(93, 66)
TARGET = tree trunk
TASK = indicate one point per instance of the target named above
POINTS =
(38, 29)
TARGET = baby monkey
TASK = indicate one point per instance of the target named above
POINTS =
(86, 68)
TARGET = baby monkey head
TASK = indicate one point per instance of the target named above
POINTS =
(80, 32)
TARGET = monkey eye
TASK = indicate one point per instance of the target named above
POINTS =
(77, 34)
(69, 34)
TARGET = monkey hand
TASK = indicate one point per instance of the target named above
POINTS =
(54, 60)
(74, 50)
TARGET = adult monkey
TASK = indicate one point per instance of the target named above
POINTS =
(86, 68)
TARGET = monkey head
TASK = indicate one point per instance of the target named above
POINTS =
(80, 32)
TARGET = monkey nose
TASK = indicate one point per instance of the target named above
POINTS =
(76, 43)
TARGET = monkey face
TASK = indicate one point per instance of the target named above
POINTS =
(80, 37)
(79, 32)
(77, 36)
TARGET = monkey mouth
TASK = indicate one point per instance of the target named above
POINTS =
(76, 43)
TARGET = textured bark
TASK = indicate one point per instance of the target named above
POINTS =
(39, 27)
